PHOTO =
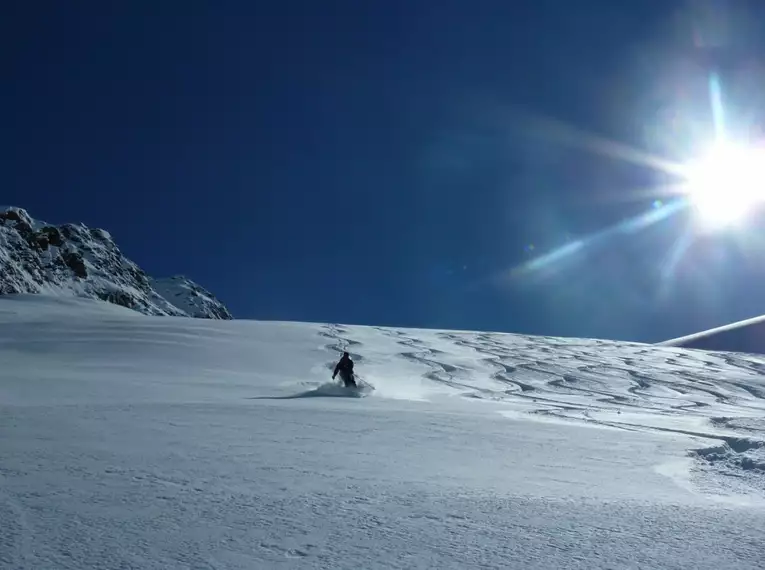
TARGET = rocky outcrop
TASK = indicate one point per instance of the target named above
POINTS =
(76, 260)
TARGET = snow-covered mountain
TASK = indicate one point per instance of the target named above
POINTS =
(190, 297)
(73, 259)
(130, 441)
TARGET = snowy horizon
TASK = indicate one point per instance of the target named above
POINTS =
(167, 442)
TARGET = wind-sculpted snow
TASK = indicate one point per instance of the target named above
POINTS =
(129, 441)
(718, 398)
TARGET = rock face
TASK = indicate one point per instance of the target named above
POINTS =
(73, 259)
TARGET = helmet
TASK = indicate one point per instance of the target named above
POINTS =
(346, 355)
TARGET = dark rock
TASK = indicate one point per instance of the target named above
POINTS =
(99, 234)
(26, 231)
(68, 231)
(54, 235)
(16, 215)
(118, 298)
(75, 262)
(11, 215)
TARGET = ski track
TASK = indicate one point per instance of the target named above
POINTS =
(619, 378)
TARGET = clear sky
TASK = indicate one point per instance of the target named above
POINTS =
(395, 162)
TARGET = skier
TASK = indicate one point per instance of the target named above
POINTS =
(345, 368)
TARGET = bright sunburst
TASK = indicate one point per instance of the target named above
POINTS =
(726, 183)
(723, 186)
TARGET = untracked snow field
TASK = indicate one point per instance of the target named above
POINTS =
(137, 442)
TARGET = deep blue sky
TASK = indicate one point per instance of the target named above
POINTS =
(392, 162)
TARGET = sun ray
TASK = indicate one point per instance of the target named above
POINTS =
(720, 187)
(562, 133)
(715, 100)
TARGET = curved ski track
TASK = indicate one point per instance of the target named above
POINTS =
(594, 381)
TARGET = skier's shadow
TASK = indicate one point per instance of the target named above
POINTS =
(324, 391)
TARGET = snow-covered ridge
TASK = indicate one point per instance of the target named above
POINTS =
(193, 299)
(75, 260)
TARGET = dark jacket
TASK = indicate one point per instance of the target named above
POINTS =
(344, 367)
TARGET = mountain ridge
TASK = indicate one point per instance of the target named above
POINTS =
(74, 259)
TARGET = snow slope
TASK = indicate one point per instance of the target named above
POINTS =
(75, 260)
(129, 441)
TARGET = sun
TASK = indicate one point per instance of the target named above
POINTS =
(726, 183)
